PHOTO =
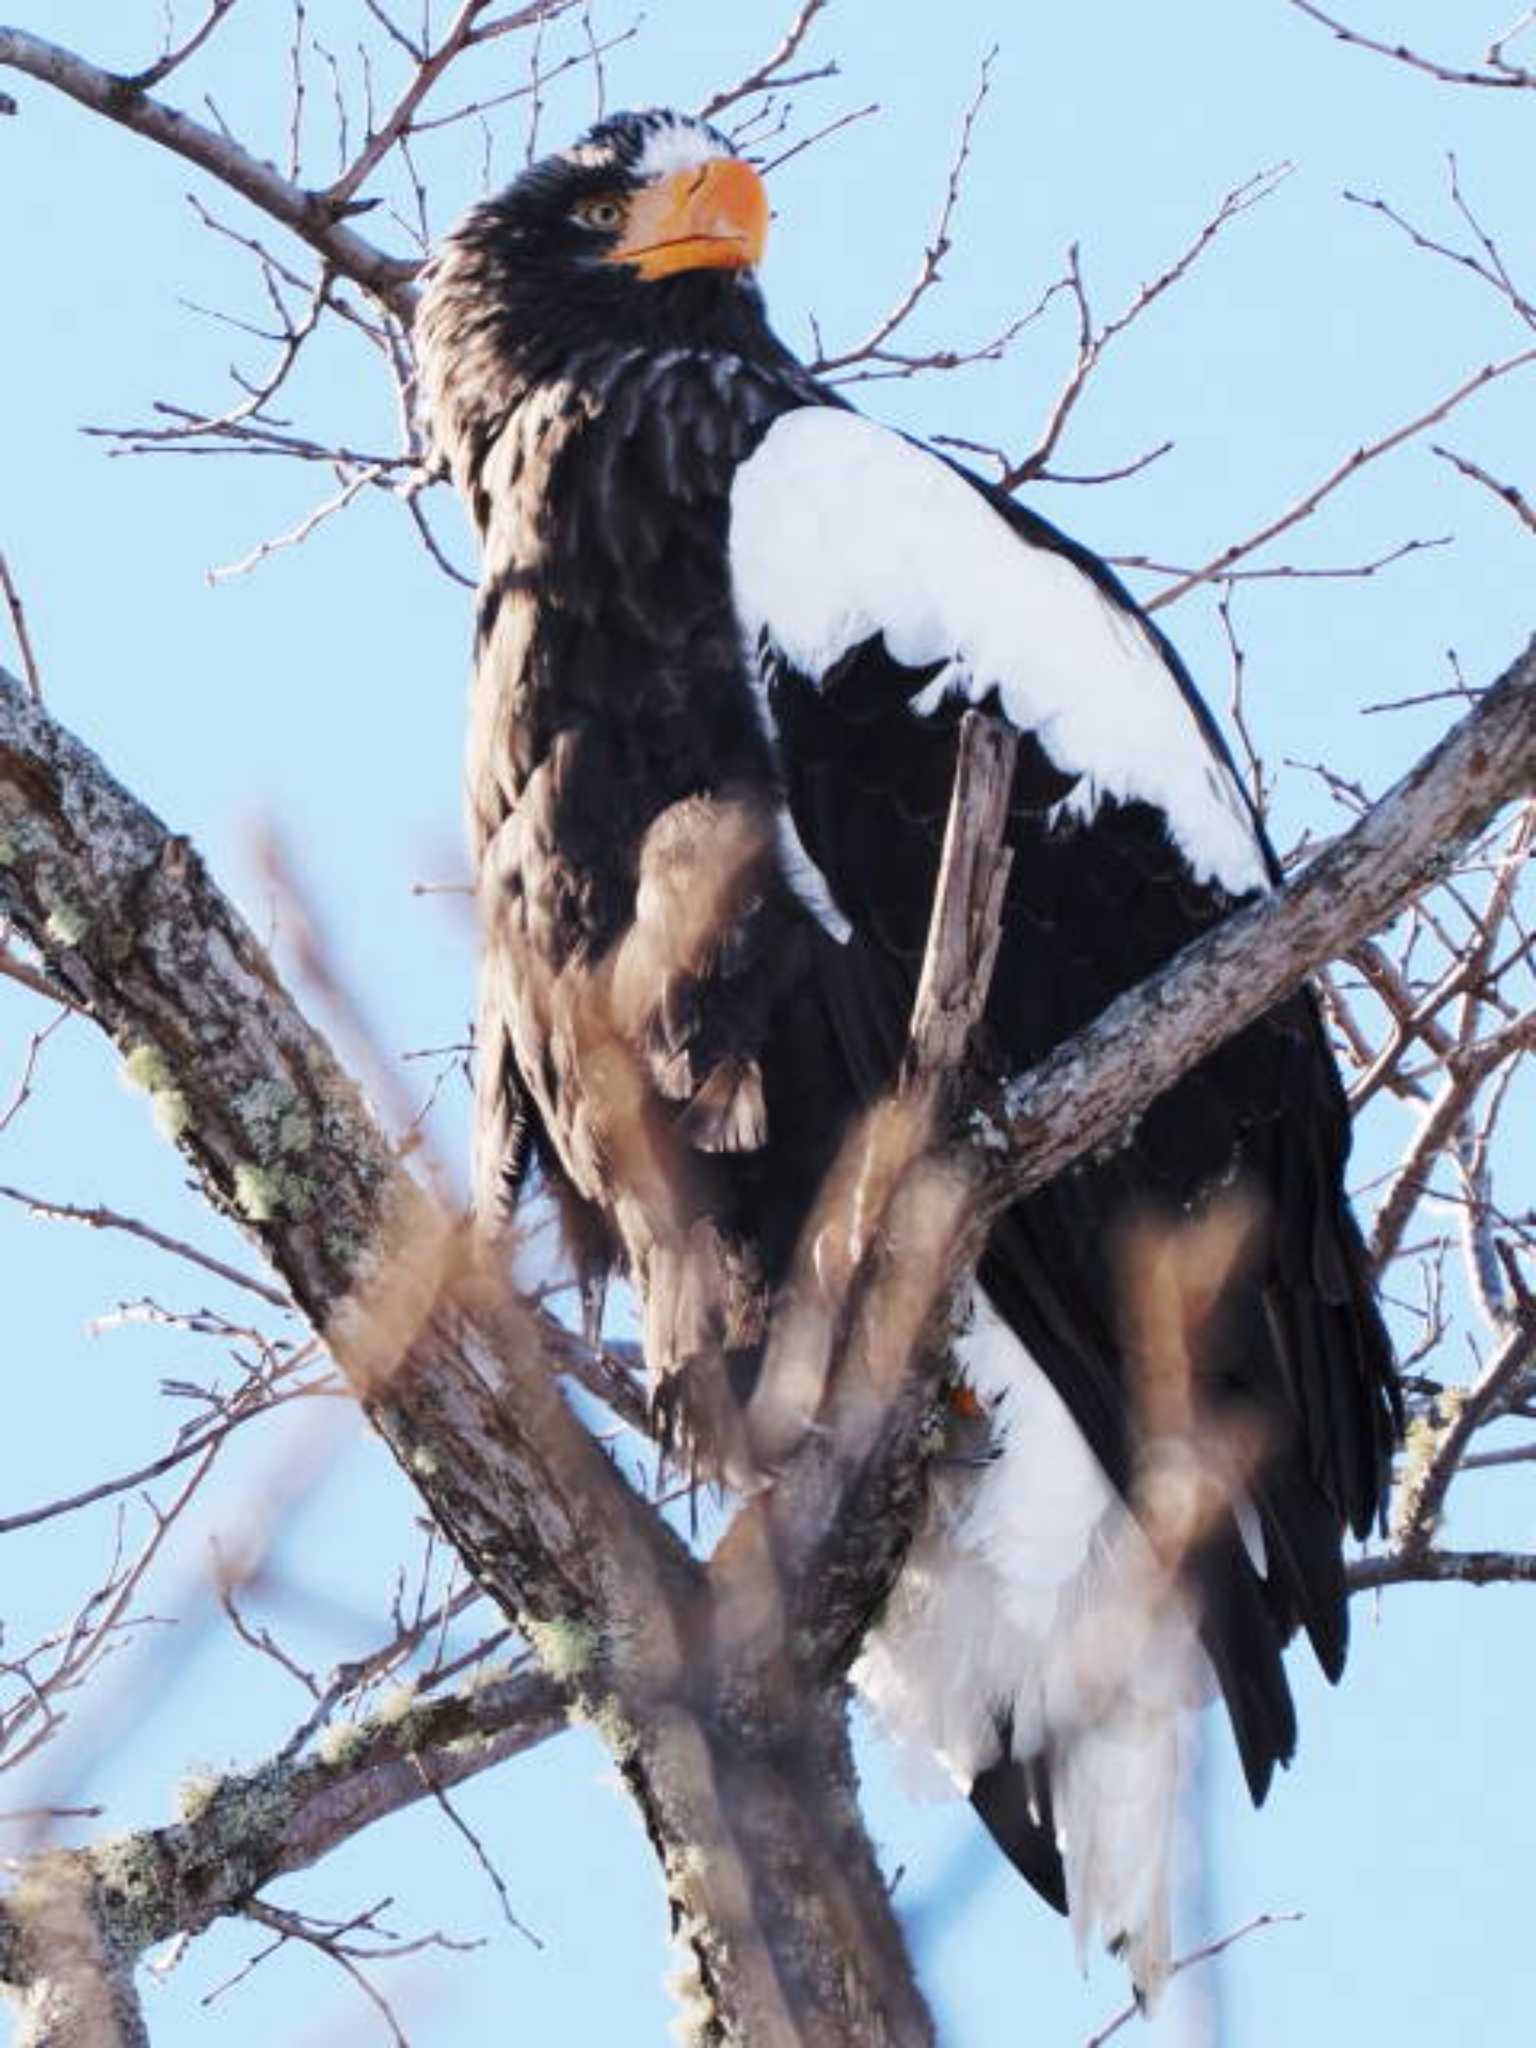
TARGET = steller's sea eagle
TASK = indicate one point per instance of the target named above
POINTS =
(727, 630)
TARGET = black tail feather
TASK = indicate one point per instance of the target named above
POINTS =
(1014, 1799)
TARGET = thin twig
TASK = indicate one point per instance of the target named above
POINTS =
(100, 1217)
(1351, 466)
(19, 626)
(767, 76)
(1521, 506)
(171, 59)
(1203, 1954)
(1499, 73)
(477, 1848)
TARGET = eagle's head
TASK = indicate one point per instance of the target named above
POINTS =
(645, 232)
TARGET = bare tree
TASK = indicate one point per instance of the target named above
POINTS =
(551, 1584)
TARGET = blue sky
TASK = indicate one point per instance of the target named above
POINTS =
(323, 694)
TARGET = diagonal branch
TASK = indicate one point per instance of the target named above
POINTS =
(770, 76)
(1498, 72)
(174, 56)
(1351, 466)
(461, 34)
(1083, 1095)
(309, 215)
(240, 1832)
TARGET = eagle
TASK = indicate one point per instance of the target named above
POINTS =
(728, 628)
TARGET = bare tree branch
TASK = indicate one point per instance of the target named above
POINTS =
(171, 58)
(1093, 339)
(1498, 72)
(1350, 467)
(19, 627)
(1204, 1954)
(239, 1832)
(102, 1218)
(1508, 494)
(451, 1374)
(1080, 1096)
(463, 31)
(769, 75)
(1442, 1567)
(309, 215)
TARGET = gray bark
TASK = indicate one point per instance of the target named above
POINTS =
(130, 927)
(718, 1691)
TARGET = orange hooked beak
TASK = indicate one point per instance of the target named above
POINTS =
(712, 217)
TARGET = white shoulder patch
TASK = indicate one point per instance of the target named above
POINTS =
(841, 529)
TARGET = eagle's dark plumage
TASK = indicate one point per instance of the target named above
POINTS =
(726, 633)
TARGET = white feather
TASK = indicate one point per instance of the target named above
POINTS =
(807, 881)
(1030, 1596)
(679, 145)
(1251, 1529)
(841, 529)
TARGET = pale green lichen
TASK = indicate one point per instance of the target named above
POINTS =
(256, 1192)
(128, 1871)
(296, 1132)
(345, 1247)
(254, 1806)
(697, 2017)
(171, 1111)
(565, 1648)
(1422, 1442)
(196, 1791)
(298, 1194)
(263, 1193)
(607, 1720)
(339, 1742)
(280, 1127)
(8, 854)
(468, 1747)
(394, 1705)
(67, 924)
(263, 1105)
(425, 1463)
(146, 1067)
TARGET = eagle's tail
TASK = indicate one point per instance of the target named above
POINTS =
(1035, 1646)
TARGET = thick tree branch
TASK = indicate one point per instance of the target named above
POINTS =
(128, 923)
(1085, 1094)
(749, 1796)
(238, 1833)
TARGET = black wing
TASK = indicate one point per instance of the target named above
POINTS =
(1100, 895)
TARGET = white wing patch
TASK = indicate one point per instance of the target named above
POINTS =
(840, 529)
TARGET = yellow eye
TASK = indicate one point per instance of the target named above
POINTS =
(602, 214)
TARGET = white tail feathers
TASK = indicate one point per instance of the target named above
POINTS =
(1032, 1609)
